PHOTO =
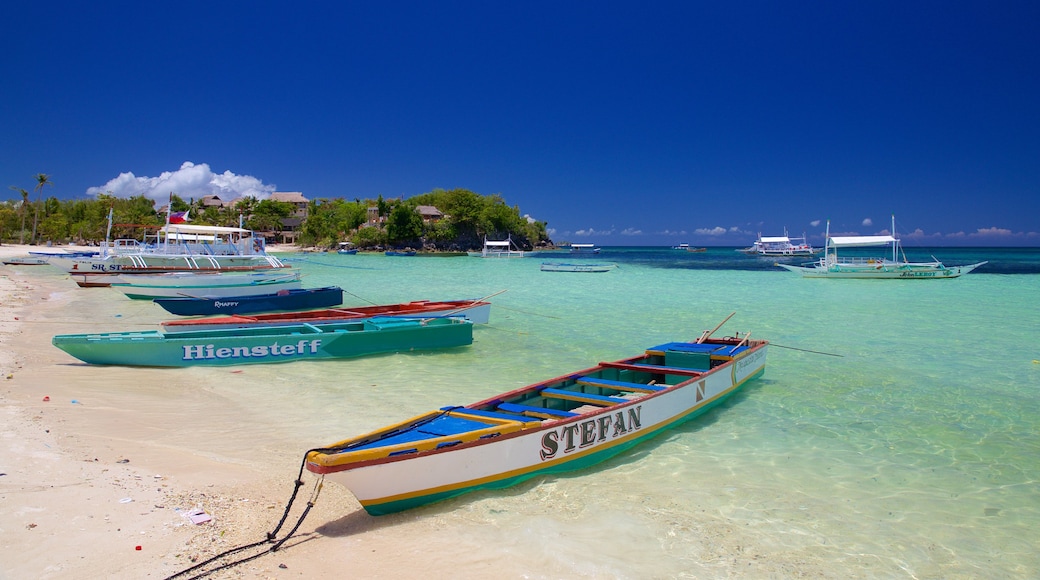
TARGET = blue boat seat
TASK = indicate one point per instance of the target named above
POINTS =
(620, 385)
(601, 400)
(537, 411)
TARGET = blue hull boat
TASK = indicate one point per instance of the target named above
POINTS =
(297, 299)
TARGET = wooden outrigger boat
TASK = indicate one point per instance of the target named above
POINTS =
(268, 344)
(874, 267)
(565, 267)
(476, 311)
(207, 284)
(565, 423)
(296, 299)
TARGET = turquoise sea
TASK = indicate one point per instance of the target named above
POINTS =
(907, 445)
(894, 434)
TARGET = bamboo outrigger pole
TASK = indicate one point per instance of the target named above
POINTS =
(704, 335)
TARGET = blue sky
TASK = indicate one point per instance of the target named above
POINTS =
(642, 123)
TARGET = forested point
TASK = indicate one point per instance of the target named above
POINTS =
(461, 221)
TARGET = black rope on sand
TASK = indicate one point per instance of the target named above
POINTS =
(271, 536)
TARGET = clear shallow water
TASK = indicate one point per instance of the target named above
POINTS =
(916, 453)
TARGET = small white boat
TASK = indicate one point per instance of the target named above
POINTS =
(563, 267)
(780, 247)
(25, 261)
(831, 265)
(206, 285)
(500, 249)
(584, 249)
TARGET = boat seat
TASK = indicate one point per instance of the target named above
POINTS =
(601, 400)
(619, 385)
(657, 369)
(493, 415)
(536, 411)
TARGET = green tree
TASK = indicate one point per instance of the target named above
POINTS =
(42, 179)
(404, 225)
(21, 210)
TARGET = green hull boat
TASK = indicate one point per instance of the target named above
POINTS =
(267, 345)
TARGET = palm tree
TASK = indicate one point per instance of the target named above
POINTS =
(21, 210)
(42, 179)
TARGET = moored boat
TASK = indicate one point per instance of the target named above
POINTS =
(207, 284)
(175, 247)
(500, 249)
(267, 344)
(831, 265)
(25, 261)
(565, 267)
(569, 422)
(780, 246)
(584, 249)
(476, 311)
(296, 299)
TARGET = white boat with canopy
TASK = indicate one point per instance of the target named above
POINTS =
(831, 265)
(174, 247)
(781, 246)
(501, 249)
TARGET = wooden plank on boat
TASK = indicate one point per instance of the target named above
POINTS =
(582, 397)
(529, 410)
(656, 369)
(620, 385)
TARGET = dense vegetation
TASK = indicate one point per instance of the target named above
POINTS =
(467, 218)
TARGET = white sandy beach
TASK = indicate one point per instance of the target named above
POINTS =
(90, 489)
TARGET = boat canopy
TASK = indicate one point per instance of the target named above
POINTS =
(504, 243)
(210, 230)
(775, 240)
(854, 241)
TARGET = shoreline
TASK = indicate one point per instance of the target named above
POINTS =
(89, 487)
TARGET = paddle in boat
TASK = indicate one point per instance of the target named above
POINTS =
(831, 265)
(564, 267)
(565, 423)
(267, 344)
(282, 300)
(476, 311)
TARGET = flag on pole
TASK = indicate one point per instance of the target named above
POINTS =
(179, 217)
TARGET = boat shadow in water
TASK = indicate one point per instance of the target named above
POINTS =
(360, 521)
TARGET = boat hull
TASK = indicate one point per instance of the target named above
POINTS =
(477, 312)
(301, 299)
(208, 285)
(582, 268)
(509, 453)
(883, 271)
(266, 345)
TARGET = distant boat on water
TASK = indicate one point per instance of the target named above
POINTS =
(831, 265)
(584, 249)
(588, 268)
(780, 246)
(499, 249)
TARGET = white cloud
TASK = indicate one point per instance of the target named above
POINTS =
(715, 231)
(189, 182)
(868, 222)
(594, 232)
(631, 232)
(992, 233)
(814, 223)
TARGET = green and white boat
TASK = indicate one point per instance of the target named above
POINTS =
(272, 344)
